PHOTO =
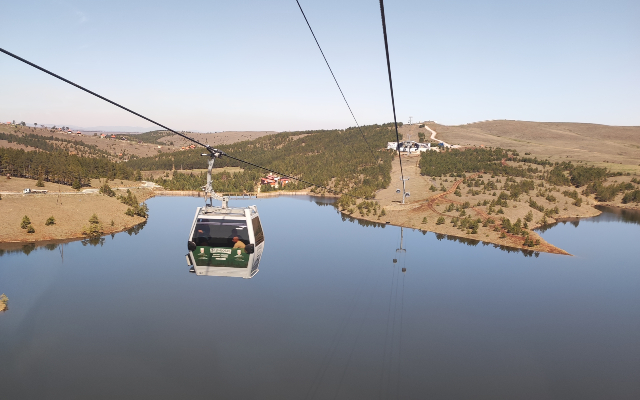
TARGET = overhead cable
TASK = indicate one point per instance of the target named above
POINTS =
(209, 148)
(335, 80)
(393, 103)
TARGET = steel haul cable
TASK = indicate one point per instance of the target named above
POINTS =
(209, 148)
(393, 102)
(336, 80)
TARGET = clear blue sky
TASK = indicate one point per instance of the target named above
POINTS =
(253, 65)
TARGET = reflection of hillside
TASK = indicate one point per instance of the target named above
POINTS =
(363, 222)
(474, 242)
(609, 214)
(27, 248)
(134, 230)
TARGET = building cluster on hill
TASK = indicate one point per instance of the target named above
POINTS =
(412, 147)
(274, 181)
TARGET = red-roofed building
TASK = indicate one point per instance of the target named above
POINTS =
(274, 181)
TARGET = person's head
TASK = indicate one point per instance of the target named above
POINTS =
(235, 239)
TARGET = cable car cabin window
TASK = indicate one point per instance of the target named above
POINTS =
(257, 230)
(219, 233)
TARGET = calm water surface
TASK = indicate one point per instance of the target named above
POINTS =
(329, 315)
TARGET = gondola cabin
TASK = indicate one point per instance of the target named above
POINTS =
(226, 242)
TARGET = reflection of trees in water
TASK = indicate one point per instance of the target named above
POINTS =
(93, 241)
(573, 221)
(609, 214)
(28, 248)
(325, 202)
(363, 222)
(134, 230)
(618, 214)
(475, 242)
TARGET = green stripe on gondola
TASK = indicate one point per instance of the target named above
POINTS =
(206, 256)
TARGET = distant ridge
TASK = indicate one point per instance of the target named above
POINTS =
(114, 128)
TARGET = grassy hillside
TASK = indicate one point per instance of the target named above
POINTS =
(339, 159)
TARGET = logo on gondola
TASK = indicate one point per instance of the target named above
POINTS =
(220, 250)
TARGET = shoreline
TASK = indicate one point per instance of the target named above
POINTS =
(510, 241)
(76, 234)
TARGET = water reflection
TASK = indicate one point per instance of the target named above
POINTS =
(475, 242)
(609, 214)
(134, 230)
(440, 236)
(93, 241)
(362, 222)
(330, 319)
(28, 248)
(614, 214)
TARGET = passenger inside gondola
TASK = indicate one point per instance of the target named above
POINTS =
(220, 233)
(238, 244)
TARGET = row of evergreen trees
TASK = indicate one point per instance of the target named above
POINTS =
(457, 162)
(61, 167)
(51, 143)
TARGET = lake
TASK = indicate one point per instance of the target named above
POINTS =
(330, 314)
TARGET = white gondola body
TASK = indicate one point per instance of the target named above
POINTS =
(214, 254)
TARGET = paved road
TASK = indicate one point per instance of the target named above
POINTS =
(145, 185)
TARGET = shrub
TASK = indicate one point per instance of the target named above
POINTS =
(40, 183)
(106, 190)
(95, 227)
(440, 221)
(50, 221)
(424, 220)
(76, 185)
(551, 211)
(25, 222)
(130, 199)
(633, 196)
(141, 210)
(535, 206)
(572, 195)
(529, 216)
(30, 229)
